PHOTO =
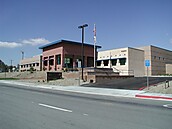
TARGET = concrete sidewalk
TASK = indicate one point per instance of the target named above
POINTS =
(97, 91)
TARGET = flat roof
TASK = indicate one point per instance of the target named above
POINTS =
(66, 41)
(114, 49)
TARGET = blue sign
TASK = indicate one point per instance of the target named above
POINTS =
(147, 63)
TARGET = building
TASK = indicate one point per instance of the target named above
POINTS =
(66, 54)
(126, 61)
(34, 62)
(130, 60)
(160, 60)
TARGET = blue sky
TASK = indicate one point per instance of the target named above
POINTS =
(27, 24)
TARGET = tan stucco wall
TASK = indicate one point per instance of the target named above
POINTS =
(28, 63)
(114, 54)
(147, 56)
(134, 60)
(158, 58)
(168, 68)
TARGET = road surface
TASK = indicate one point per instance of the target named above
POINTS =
(33, 108)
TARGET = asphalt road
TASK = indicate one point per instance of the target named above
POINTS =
(29, 108)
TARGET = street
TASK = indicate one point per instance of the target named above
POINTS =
(33, 108)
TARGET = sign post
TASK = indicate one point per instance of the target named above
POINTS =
(147, 64)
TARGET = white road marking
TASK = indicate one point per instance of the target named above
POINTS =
(85, 114)
(53, 107)
(167, 106)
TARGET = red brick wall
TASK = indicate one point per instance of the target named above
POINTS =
(67, 49)
(72, 49)
(77, 49)
(53, 51)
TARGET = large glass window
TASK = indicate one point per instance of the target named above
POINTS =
(106, 62)
(114, 61)
(99, 63)
(58, 58)
(122, 61)
(68, 62)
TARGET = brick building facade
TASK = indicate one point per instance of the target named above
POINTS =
(66, 54)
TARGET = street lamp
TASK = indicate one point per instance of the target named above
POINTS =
(22, 52)
(82, 62)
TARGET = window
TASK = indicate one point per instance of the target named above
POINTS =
(33, 64)
(90, 61)
(106, 62)
(37, 64)
(114, 61)
(122, 61)
(68, 62)
(45, 62)
(58, 57)
(99, 63)
(51, 62)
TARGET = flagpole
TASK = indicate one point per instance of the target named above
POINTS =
(94, 56)
(94, 45)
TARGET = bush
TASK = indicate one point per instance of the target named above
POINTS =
(31, 69)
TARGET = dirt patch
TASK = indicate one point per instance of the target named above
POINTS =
(163, 88)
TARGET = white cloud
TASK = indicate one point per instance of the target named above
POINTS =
(10, 44)
(35, 41)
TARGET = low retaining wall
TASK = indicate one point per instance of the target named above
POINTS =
(102, 77)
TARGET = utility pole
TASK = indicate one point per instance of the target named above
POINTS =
(22, 52)
(11, 65)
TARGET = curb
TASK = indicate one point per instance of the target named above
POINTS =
(153, 97)
(141, 95)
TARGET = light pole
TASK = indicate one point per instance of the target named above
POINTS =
(82, 62)
(22, 52)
